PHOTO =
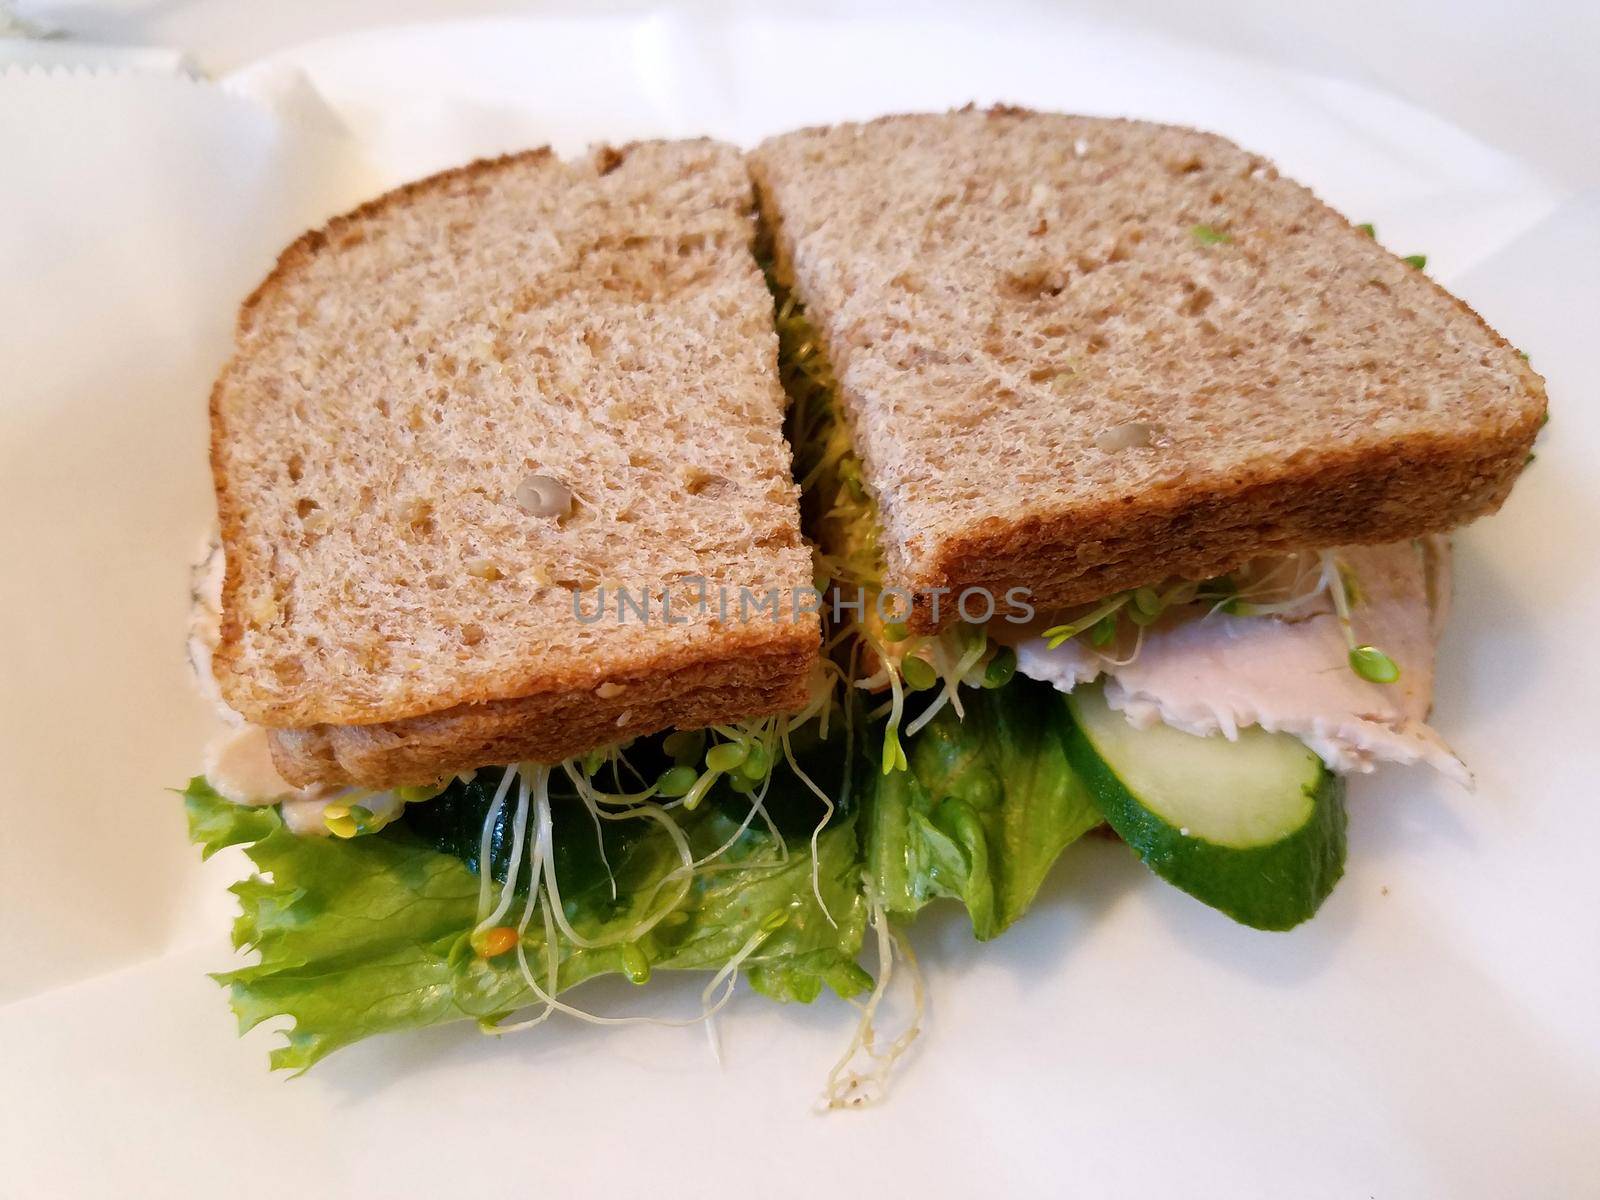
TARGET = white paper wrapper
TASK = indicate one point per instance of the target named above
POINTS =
(1431, 1033)
(138, 209)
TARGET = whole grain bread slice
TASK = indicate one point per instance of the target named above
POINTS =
(1081, 355)
(420, 388)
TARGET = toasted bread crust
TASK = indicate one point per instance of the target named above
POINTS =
(1072, 543)
(1360, 497)
(311, 241)
(546, 728)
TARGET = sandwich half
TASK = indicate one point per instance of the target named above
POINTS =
(510, 610)
(1113, 410)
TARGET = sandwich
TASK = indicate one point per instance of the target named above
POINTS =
(682, 559)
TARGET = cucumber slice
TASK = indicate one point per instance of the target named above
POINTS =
(1255, 828)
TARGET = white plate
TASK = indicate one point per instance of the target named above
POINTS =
(1432, 1033)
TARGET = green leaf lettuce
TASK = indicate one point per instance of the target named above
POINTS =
(987, 806)
(371, 934)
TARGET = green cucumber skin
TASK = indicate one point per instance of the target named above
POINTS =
(1273, 887)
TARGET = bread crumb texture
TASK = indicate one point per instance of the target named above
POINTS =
(457, 405)
(1082, 355)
